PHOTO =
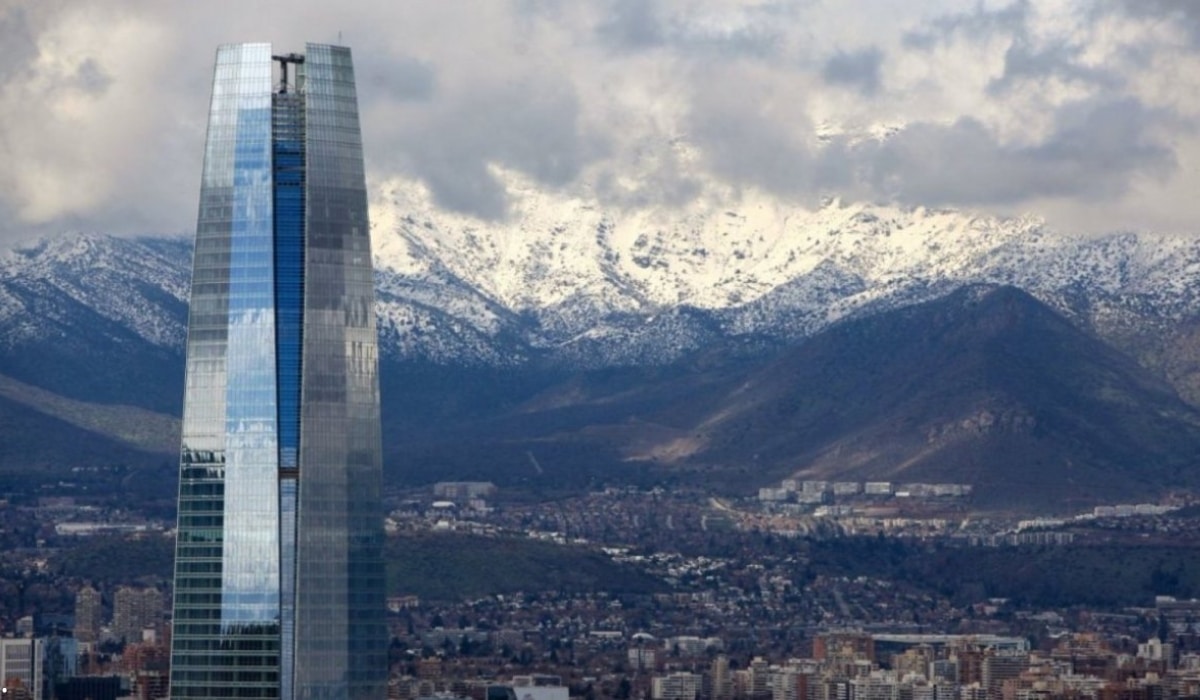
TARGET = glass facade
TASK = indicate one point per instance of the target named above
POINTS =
(279, 585)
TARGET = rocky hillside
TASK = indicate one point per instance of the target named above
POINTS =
(986, 386)
(607, 340)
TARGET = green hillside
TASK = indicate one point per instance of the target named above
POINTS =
(451, 566)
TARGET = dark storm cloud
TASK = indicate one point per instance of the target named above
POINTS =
(644, 103)
(91, 78)
(743, 144)
(402, 78)
(1184, 14)
(17, 45)
(632, 24)
(747, 145)
(463, 184)
(1060, 60)
(976, 25)
(1095, 150)
(527, 127)
(856, 69)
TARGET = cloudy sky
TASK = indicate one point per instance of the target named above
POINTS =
(1081, 112)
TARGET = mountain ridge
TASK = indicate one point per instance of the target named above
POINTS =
(986, 386)
(594, 291)
(967, 386)
(487, 325)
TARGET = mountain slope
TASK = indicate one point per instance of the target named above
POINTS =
(566, 283)
(97, 318)
(575, 342)
(594, 287)
(42, 448)
(986, 386)
(136, 428)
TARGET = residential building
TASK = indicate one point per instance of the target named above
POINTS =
(136, 610)
(682, 685)
(21, 668)
(539, 687)
(722, 680)
(1001, 667)
(88, 612)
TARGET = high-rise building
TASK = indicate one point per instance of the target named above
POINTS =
(1000, 667)
(147, 666)
(722, 681)
(680, 685)
(87, 614)
(21, 668)
(60, 661)
(279, 586)
(136, 610)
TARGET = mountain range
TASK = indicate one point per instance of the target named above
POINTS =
(570, 345)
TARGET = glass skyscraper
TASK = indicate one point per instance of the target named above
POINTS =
(279, 581)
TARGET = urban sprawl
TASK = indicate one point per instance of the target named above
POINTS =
(735, 611)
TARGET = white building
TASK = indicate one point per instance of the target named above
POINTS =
(21, 663)
(1157, 650)
(674, 686)
(463, 490)
(539, 687)
(789, 684)
(691, 645)
(878, 685)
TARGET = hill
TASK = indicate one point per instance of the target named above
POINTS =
(450, 566)
(590, 349)
(986, 386)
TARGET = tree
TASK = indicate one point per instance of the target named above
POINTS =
(624, 689)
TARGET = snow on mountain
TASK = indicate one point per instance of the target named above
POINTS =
(139, 285)
(604, 286)
(568, 280)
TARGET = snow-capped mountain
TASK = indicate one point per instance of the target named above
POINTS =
(567, 281)
(140, 285)
(96, 318)
(508, 310)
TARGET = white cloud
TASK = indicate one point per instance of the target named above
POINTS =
(1076, 110)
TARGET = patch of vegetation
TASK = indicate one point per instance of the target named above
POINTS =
(1104, 575)
(117, 560)
(434, 566)
(452, 566)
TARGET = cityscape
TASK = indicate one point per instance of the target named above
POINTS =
(671, 595)
(620, 350)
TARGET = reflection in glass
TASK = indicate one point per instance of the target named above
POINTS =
(279, 572)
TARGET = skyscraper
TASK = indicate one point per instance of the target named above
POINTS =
(87, 614)
(279, 569)
(134, 611)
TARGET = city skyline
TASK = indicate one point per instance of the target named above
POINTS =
(279, 572)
